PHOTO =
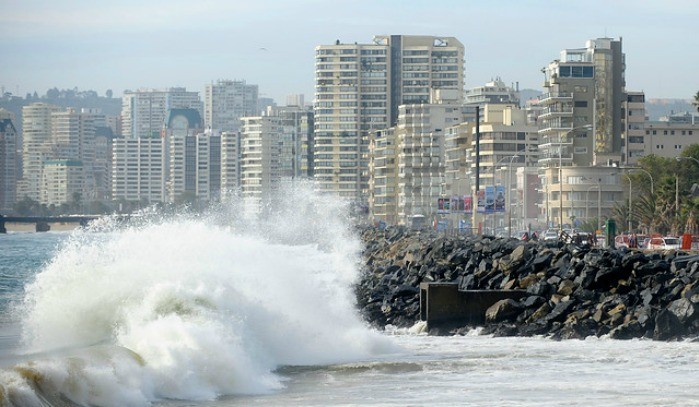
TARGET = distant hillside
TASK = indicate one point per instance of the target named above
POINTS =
(64, 98)
(656, 108)
(528, 94)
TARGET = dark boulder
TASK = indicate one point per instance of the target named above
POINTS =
(667, 326)
(503, 310)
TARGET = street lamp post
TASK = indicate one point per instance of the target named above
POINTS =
(599, 206)
(652, 192)
(548, 219)
(494, 186)
(598, 181)
(509, 197)
(587, 202)
(687, 158)
(630, 203)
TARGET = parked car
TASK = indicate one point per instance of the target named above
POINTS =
(664, 243)
(621, 241)
(550, 235)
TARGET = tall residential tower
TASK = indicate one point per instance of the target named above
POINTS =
(358, 90)
(226, 102)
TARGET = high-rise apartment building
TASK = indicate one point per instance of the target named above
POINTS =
(581, 127)
(296, 140)
(408, 165)
(180, 130)
(260, 152)
(226, 102)
(634, 135)
(73, 141)
(508, 144)
(230, 165)
(36, 147)
(63, 181)
(208, 181)
(61, 136)
(359, 88)
(585, 87)
(8, 164)
(138, 170)
(144, 111)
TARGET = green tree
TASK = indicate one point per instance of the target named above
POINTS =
(26, 207)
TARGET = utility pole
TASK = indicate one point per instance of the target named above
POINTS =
(474, 203)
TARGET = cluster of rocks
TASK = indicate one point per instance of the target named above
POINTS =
(572, 291)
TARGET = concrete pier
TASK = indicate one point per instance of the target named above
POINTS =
(443, 305)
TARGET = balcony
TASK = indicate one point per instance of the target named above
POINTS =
(554, 96)
(555, 127)
(548, 141)
(552, 160)
(553, 112)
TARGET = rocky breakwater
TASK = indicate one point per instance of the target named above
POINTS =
(572, 291)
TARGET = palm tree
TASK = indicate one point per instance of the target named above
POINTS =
(645, 213)
(696, 101)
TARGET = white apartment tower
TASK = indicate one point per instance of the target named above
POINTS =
(138, 170)
(359, 88)
(36, 148)
(208, 181)
(62, 181)
(144, 111)
(57, 135)
(230, 165)
(260, 151)
(73, 139)
(408, 164)
(226, 101)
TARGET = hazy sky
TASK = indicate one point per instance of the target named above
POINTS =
(131, 44)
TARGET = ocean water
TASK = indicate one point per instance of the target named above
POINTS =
(232, 309)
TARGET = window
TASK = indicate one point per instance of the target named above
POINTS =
(581, 103)
(576, 71)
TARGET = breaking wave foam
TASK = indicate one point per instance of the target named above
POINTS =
(193, 307)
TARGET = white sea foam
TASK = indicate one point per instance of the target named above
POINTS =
(197, 307)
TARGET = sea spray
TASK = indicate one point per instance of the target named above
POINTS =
(210, 305)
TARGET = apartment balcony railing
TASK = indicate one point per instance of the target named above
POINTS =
(552, 160)
(554, 127)
(548, 113)
(553, 96)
